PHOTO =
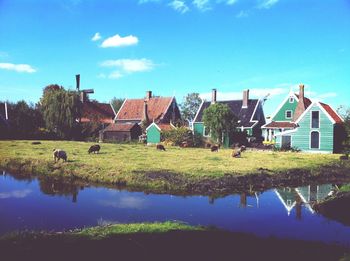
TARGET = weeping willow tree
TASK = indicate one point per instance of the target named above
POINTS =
(61, 109)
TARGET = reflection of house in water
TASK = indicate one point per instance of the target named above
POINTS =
(243, 199)
(295, 197)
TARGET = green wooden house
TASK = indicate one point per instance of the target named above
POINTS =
(154, 132)
(309, 126)
(249, 112)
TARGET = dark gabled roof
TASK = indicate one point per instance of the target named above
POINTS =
(132, 109)
(243, 114)
(280, 125)
(93, 109)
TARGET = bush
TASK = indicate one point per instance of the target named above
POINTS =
(177, 136)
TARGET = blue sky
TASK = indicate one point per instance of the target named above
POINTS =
(122, 48)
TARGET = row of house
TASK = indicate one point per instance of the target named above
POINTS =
(297, 122)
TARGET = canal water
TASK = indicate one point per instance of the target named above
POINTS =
(29, 203)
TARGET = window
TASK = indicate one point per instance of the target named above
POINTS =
(291, 99)
(315, 140)
(206, 132)
(315, 119)
(289, 114)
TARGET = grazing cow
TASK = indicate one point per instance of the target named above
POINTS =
(214, 148)
(59, 154)
(36, 142)
(236, 153)
(160, 147)
(94, 148)
(344, 157)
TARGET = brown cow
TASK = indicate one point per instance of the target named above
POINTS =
(160, 147)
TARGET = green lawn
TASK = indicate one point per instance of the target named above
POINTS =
(127, 163)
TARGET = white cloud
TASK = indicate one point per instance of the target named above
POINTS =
(242, 14)
(231, 2)
(148, 1)
(266, 4)
(326, 95)
(127, 66)
(96, 37)
(125, 202)
(118, 41)
(255, 93)
(17, 67)
(179, 6)
(15, 194)
(202, 5)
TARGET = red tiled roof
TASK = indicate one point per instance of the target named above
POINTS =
(165, 127)
(95, 110)
(331, 113)
(133, 108)
(280, 125)
(307, 101)
(120, 127)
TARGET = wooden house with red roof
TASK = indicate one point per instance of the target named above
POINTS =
(305, 124)
(147, 110)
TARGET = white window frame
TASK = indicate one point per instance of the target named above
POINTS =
(291, 114)
(319, 140)
(204, 128)
(291, 99)
(319, 119)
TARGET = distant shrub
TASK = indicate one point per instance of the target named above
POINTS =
(177, 136)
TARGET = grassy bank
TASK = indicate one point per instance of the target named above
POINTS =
(160, 241)
(177, 169)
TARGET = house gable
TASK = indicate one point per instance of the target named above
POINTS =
(289, 104)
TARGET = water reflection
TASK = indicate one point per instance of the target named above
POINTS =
(307, 196)
(41, 203)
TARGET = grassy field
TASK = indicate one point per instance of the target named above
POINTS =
(160, 241)
(127, 163)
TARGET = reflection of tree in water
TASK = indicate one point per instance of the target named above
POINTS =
(61, 187)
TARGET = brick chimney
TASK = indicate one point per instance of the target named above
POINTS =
(213, 96)
(77, 79)
(245, 99)
(145, 111)
(301, 104)
(148, 95)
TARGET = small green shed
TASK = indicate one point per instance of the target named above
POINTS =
(155, 130)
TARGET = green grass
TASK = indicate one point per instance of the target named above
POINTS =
(101, 232)
(345, 188)
(127, 163)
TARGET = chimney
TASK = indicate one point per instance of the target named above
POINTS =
(77, 78)
(301, 104)
(213, 96)
(145, 111)
(245, 99)
(148, 95)
(6, 115)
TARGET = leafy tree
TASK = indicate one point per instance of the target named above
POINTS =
(345, 113)
(190, 106)
(61, 109)
(219, 120)
(117, 103)
(24, 120)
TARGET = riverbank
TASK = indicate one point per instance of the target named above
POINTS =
(334, 207)
(160, 241)
(176, 170)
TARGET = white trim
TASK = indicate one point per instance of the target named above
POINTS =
(319, 140)
(289, 209)
(291, 114)
(155, 124)
(286, 132)
(282, 103)
(209, 135)
(6, 114)
(291, 97)
(171, 101)
(309, 108)
(116, 116)
(200, 107)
